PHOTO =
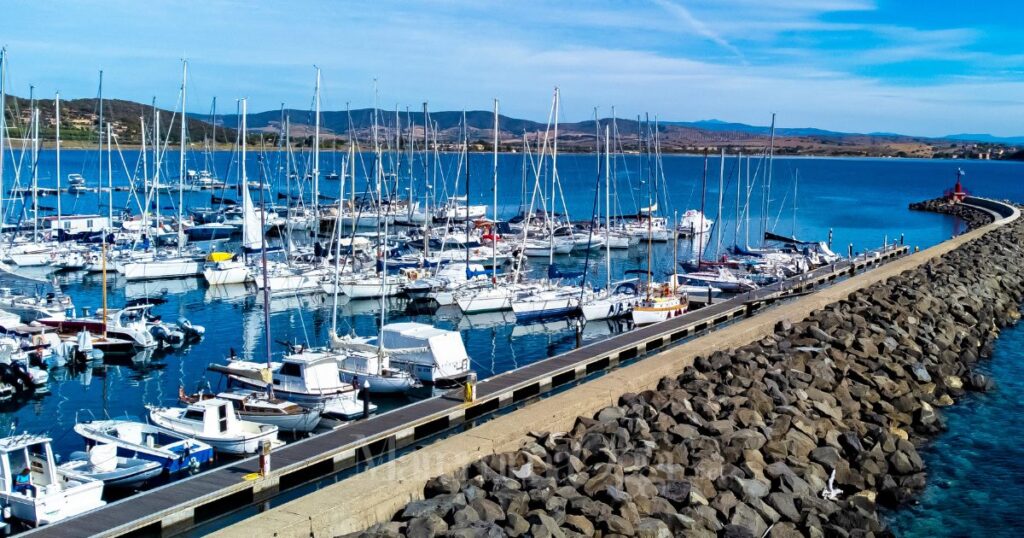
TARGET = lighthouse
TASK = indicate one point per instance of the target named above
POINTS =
(958, 193)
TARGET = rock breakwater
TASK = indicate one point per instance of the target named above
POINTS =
(973, 216)
(802, 433)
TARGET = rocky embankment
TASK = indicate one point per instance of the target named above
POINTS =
(803, 433)
(973, 216)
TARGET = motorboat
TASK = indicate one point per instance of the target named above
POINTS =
(29, 308)
(260, 407)
(102, 463)
(125, 324)
(173, 451)
(693, 224)
(215, 423)
(307, 377)
(51, 494)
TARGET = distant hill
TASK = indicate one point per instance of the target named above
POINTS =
(988, 139)
(79, 124)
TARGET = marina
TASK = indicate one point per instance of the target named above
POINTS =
(177, 506)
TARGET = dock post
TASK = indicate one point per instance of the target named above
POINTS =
(265, 457)
(470, 393)
(366, 399)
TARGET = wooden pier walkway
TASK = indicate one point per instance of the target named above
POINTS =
(180, 505)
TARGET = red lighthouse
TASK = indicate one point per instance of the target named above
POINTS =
(958, 193)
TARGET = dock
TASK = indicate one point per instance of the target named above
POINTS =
(184, 504)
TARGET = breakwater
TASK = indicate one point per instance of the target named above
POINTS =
(805, 431)
(972, 215)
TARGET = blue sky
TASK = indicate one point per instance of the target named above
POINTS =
(914, 66)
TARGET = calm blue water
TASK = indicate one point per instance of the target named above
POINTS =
(862, 201)
(975, 470)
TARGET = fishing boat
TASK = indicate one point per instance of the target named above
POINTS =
(260, 407)
(101, 462)
(174, 452)
(215, 423)
(51, 494)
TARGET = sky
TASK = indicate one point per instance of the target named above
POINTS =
(916, 67)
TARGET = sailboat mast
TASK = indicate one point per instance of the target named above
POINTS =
(428, 193)
(739, 171)
(465, 147)
(35, 174)
(316, 152)
(156, 163)
(721, 194)
(554, 178)
(607, 210)
(3, 126)
(337, 249)
(110, 178)
(181, 151)
(145, 173)
(494, 225)
(99, 135)
(703, 196)
(56, 108)
(768, 180)
(650, 216)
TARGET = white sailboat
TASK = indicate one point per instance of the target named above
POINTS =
(610, 302)
(222, 270)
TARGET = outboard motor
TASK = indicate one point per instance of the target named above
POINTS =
(190, 331)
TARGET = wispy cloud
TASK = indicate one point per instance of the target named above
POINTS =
(702, 29)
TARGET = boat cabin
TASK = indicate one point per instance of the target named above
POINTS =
(309, 372)
(74, 224)
(216, 415)
(19, 452)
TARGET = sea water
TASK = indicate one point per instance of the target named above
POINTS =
(862, 202)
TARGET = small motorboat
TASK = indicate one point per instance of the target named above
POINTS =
(215, 422)
(102, 463)
(258, 406)
(49, 494)
(174, 452)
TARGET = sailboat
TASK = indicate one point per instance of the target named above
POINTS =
(358, 364)
(617, 301)
(179, 263)
(222, 268)
(551, 299)
(661, 301)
